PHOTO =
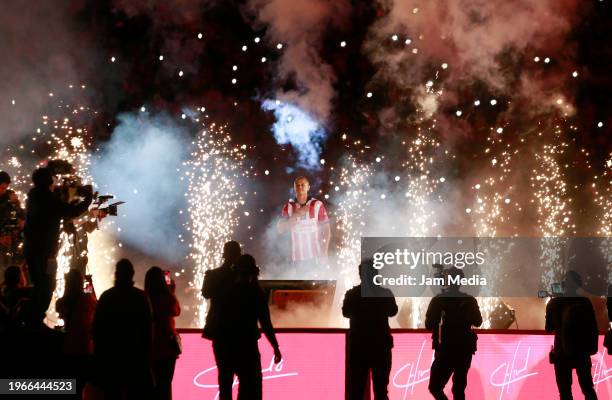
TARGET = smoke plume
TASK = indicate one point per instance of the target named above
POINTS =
(139, 165)
(43, 54)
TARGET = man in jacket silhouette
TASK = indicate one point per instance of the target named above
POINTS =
(450, 316)
(572, 318)
(369, 340)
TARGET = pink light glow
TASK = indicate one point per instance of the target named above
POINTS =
(506, 366)
(312, 368)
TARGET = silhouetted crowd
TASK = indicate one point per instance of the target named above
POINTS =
(124, 345)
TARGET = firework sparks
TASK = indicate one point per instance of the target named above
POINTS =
(554, 213)
(603, 200)
(351, 212)
(213, 174)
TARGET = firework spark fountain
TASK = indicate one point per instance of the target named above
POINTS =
(213, 173)
(71, 145)
(554, 213)
(603, 200)
(351, 216)
(358, 195)
(488, 211)
(420, 193)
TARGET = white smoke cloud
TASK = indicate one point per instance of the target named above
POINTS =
(140, 165)
(296, 127)
(42, 54)
(470, 36)
(299, 26)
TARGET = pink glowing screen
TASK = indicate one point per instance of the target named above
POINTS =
(507, 366)
(312, 368)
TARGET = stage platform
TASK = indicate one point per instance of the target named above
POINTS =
(509, 364)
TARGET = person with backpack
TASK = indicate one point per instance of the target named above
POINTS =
(450, 316)
(572, 318)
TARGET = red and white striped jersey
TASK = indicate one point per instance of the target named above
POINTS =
(305, 238)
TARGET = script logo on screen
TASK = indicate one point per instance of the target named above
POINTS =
(509, 373)
(312, 368)
(413, 372)
(273, 371)
(505, 367)
(602, 373)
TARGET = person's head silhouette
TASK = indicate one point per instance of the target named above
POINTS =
(231, 251)
(124, 273)
(453, 272)
(367, 272)
(5, 181)
(155, 281)
(571, 283)
(12, 277)
(42, 178)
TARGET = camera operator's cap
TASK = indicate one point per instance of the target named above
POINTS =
(60, 167)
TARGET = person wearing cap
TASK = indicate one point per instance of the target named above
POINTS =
(43, 216)
(235, 345)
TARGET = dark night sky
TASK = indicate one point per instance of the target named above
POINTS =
(53, 45)
(491, 47)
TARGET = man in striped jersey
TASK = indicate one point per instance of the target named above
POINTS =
(306, 218)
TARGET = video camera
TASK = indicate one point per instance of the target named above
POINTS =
(556, 290)
(72, 182)
(110, 209)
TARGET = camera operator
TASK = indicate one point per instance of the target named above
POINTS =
(11, 224)
(44, 212)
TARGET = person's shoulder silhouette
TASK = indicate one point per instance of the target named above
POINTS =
(218, 280)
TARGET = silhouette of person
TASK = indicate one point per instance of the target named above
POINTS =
(77, 309)
(609, 303)
(235, 343)
(369, 339)
(44, 212)
(14, 299)
(11, 224)
(608, 337)
(122, 333)
(166, 341)
(572, 318)
(217, 283)
(450, 316)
